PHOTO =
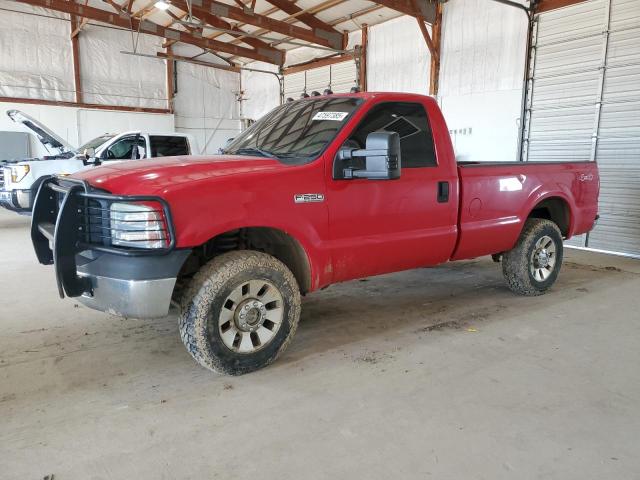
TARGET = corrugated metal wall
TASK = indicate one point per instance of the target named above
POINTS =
(618, 142)
(584, 104)
(340, 77)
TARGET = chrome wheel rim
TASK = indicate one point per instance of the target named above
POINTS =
(251, 316)
(543, 258)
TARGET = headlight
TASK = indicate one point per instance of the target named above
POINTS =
(138, 225)
(18, 172)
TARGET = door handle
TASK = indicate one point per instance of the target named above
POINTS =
(443, 192)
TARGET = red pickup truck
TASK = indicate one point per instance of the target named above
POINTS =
(319, 191)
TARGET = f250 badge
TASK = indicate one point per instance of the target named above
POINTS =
(585, 178)
(308, 197)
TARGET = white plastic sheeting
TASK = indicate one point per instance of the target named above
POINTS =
(206, 104)
(481, 77)
(36, 61)
(79, 125)
(92, 122)
(262, 90)
(62, 120)
(394, 46)
(482, 67)
(35, 55)
(398, 59)
(480, 83)
(112, 78)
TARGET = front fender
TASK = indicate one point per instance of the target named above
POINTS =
(206, 209)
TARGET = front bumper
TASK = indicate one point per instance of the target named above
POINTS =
(129, 287)
(129, 298)
(138, 287)
(126, 282)
(16, 200)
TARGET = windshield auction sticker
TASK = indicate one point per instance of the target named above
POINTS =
(334, 116)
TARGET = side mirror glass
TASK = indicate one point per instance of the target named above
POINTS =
(382, 157)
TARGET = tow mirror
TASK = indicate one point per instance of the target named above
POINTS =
(382, 157)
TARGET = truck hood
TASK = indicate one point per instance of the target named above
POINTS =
(62, 156)
(159, 175)
(49, 139)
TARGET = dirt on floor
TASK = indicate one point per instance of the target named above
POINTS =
(433, 373)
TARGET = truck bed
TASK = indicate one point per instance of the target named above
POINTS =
(496, 198)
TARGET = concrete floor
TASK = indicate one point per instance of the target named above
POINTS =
(435, 373)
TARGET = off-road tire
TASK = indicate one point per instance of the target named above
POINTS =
(517, 261)
(202, 301)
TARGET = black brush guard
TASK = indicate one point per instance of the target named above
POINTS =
(62, 224)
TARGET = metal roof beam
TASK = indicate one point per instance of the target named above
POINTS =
(217, 22)
(124, 20)
(426, 8)
(319, 8)
(248, 16)
(293, 18)
(290, 7)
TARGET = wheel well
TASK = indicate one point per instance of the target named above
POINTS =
(556, 210)
(263, 239)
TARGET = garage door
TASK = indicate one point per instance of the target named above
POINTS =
(584, 103)
(340, 77)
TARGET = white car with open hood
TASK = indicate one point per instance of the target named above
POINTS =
(20, 180)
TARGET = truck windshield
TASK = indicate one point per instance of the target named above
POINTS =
(296, 132)
(95, 143)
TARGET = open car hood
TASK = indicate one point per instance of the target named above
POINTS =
(50, 140)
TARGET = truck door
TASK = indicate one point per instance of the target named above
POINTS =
(379, 226)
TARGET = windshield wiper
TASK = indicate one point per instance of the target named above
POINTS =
(254, 150)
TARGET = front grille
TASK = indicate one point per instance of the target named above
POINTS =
(94, 223)
(69, 217)
(88, 217)
(1, 177)
(91, 221)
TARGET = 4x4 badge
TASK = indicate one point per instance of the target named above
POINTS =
(308, 197)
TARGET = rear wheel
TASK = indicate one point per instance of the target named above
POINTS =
(532, 266)
(240, 312)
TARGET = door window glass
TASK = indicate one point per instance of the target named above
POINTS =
(168, 146)
(123, 149)
(410, 121)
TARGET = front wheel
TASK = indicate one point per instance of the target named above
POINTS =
(532, 266)
(240, 312)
